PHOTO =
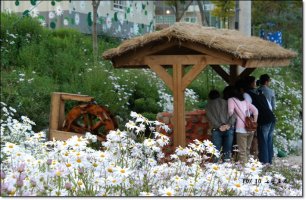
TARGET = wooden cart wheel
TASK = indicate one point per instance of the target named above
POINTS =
(92, 118)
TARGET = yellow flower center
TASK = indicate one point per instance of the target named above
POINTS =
(102, 155)
(169, 193)
(110, 170)
(80, 183)
(215, 168)
(122, 171)
(68, 165)
(238, 185)
(256, 190)
(58, 173)
(253, 169)
(11, 146)
(66, 154)
(79, 160)
(95, 165)
(114, 180)
(12, 192)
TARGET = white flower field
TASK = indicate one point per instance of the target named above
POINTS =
(32, 166)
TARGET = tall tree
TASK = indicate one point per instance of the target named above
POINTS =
(95, 6)
(224, 9)
(203, 17)
(179, 8)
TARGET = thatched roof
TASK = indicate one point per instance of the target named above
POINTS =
(231, 42)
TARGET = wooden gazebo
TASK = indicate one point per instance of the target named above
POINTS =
(185, 44)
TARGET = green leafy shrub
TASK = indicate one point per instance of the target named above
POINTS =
(17, 32)
(30, 93)
(146, 105)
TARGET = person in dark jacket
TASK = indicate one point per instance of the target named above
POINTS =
(266, 121)
(222, 124)
(266, 90)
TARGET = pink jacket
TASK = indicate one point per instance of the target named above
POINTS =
(241, 109)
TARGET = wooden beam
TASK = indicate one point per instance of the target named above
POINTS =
(62, 115)
(140, 62)
(175, 59)
(54, 112)
(75, 97)
(179, 106)
(246, 72)
(230, 59)
(267, 63)
(193, 73)
(224, 75)
(63, 135)
(162, 73)
(211, 60)
(136, 57)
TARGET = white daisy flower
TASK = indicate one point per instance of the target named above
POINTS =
(146, 194)
(180, 151)
(113, 180)
(166, 192)
(130, 125)
(149, 142)
(123, 171)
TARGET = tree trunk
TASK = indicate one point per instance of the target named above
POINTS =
(180, 9)
(203, 17)
(95, 6)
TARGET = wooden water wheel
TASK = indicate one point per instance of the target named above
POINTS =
(92, 118)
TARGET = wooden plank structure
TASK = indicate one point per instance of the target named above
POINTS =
(57, 114)
(183, 45)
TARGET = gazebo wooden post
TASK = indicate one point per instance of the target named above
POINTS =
(178, 106)
(234, 73)
(177, 83)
